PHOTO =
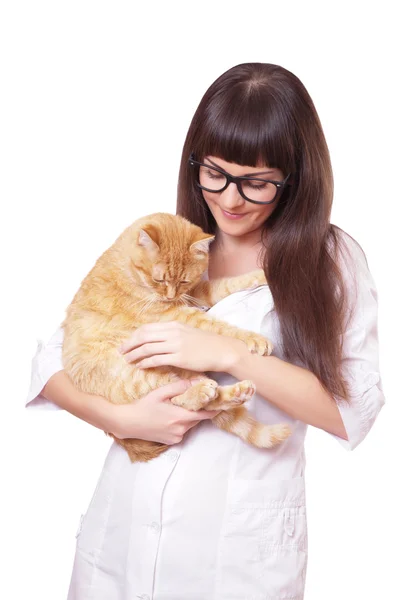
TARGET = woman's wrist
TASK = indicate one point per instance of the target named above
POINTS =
(121, 421)
(235, 351)
(104, 414)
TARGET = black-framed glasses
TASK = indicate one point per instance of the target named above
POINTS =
(252, 189)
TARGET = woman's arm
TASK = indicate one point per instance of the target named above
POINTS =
(299, 393)
(93, 409)
(293, 389)
(151, 418)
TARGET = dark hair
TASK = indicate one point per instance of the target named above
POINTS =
(254, 114)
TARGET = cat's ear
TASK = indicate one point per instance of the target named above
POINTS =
(146, 241)
(202, 246)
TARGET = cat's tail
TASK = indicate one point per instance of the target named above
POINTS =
(239, 422)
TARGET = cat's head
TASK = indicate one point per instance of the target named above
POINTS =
(170, 255)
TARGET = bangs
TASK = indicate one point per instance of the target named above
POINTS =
(249, 129)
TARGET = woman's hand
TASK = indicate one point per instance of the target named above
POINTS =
(177, 345)
(153, 417)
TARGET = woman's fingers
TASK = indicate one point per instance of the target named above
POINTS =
(139, 338)
(176, 388)
(168, 391)
(196, 415)
(160, 360)
(207, 414)
(152, 332)
(190, 424)
(149, 349)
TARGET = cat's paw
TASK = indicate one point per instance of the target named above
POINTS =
(198, 395)
(205, 390)
(242, 391)
(232, 396)
(248, 281)
(256, 344)
(256, 279)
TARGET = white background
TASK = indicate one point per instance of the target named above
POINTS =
(96, 101)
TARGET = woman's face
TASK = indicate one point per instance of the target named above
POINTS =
(234, 215)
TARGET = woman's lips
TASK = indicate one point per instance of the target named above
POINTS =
(233, 216)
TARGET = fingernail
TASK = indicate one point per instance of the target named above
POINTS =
(120, 349)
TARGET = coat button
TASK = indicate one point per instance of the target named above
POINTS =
(155, 527)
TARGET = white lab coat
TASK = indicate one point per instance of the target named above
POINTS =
(214, 518)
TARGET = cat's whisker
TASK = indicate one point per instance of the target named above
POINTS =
(138, 302)
(147, 304)
(194, 301)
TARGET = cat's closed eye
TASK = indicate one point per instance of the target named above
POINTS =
(158, 280)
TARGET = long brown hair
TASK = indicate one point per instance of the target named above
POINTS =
(254, 114)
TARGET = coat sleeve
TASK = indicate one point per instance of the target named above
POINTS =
(46, 362)
(360, 362)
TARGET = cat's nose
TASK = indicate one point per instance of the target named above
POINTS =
(171, 292)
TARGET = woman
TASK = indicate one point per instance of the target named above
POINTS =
(214, 518)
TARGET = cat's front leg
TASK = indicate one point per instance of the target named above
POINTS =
(226, 286)
(208, 395)
(255, 342)
(198, 396)
(211, 292)
(231, 396)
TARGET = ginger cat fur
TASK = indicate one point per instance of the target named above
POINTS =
(153, 272)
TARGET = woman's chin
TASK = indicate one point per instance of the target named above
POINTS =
(236, 227)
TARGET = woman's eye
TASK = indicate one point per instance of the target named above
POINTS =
(256, 186)
(212, 174)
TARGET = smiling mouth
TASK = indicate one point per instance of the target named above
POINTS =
(233, 215)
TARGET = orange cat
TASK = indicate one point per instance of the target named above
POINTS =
(153, 272)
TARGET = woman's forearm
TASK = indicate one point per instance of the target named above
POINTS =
(93, 409)
(151, 418)
(294, 390)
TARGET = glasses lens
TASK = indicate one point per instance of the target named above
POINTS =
(211, 179)
(260, 191)
(254, 189)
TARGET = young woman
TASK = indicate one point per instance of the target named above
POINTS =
(214, 518)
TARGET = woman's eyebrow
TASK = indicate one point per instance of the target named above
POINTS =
(246, 174)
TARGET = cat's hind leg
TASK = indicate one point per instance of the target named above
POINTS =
(231, 396)
(239, 422)
(206, 394)
(199, 395)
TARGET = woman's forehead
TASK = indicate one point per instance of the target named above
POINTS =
(238, 169)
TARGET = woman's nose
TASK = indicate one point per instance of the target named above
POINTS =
(231, 197)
